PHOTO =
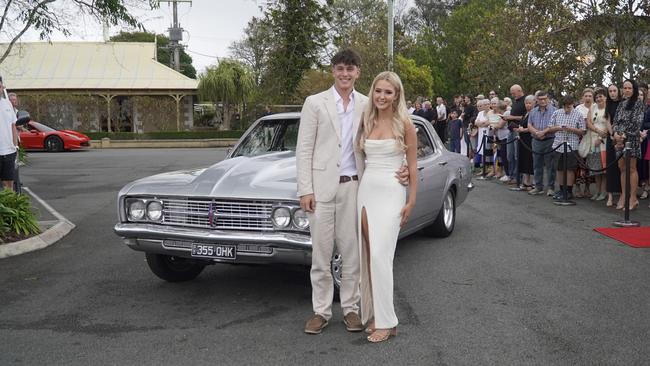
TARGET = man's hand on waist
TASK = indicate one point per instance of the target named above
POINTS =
(402, 175)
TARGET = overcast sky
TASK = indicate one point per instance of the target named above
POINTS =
(210, 26)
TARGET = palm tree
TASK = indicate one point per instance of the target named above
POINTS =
(231, 83)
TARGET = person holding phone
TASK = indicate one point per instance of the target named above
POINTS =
(568, 125)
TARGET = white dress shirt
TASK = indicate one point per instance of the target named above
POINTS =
(348, 163)
(442, 112)
(7, 120)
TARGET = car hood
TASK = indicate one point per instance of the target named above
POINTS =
(271, 176)
(75, 133)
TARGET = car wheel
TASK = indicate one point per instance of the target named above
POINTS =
(54, 144)
(337, 262)
(173, 269)
(443, 226)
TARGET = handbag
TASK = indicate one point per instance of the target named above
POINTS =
(585, 146)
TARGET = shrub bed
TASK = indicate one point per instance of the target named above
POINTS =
(17, 221)
(166, 135)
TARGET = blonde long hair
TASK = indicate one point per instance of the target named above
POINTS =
(400, 112)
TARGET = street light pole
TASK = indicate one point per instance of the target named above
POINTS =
(391, 31)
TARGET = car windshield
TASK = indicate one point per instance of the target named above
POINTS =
(41, 127)
(269, 136)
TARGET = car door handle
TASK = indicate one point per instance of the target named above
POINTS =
(420, 168)
(442, 163)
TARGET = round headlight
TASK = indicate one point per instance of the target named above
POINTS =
(136, 210)
(281, 217)
(154, 210)
(300, 219)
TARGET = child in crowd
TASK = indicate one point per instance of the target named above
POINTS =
(455, 131)
(499, 131)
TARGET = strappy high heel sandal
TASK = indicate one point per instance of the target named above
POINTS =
(370, 328)
(391, 333)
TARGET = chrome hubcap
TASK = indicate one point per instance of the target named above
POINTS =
(448, 210)
(337, 262)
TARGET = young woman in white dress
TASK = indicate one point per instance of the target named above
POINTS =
(386, 136)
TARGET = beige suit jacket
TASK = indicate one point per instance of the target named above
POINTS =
(318, 151)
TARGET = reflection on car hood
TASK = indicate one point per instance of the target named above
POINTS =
(76, 133)
(271, 176)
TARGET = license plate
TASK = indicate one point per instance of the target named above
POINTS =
(214, 251)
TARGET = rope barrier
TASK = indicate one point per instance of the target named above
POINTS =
(584, 166)
(529, 148)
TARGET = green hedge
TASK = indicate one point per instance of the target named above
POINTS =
(166, 135)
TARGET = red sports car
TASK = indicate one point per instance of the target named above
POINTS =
(34, 135)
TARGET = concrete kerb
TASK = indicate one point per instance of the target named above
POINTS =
(107, 143)
(45, 239)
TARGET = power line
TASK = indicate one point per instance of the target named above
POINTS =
(201, 54)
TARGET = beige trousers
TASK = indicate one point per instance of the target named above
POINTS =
(335, 222)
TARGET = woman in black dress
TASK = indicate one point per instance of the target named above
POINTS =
(627, 129)
(525, 162)
(613, 173)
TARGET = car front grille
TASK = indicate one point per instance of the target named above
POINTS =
(218, 214)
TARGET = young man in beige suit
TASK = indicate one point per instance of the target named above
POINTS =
(329, 170)
(328, 178)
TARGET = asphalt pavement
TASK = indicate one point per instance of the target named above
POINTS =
(520, 282)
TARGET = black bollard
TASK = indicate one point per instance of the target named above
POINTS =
(484, 142)
(564, 201)
(626, 216)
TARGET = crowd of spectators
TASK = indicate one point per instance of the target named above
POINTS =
(521, 140)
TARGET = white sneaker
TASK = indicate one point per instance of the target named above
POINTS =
(535, 192)
(550, 193)
(505, 178)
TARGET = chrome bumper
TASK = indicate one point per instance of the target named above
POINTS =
(252, 247)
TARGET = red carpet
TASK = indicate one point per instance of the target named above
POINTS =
(637, 237)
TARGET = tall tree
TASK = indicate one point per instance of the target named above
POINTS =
(417, 80)
(229, 83)
(362, 25)
(253, 48)
(163, 53)
(538, 55)
(299, 36)
(615, 38)
(48, 16)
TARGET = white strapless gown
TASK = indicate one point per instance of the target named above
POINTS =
(383, 197)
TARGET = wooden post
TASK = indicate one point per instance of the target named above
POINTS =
(108, 98)
(178, 98)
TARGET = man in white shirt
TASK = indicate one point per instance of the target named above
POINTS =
(441, 120)
(8, 140)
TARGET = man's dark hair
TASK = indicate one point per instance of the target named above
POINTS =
(542, 94)
(568, 99)
(347, 56)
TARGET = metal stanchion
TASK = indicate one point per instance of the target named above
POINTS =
(564, 201)
(626, 222)
(483, 159)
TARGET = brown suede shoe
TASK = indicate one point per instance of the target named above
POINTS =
(352, 322)
(315, 324)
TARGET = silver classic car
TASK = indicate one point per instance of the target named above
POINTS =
(244, 209)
